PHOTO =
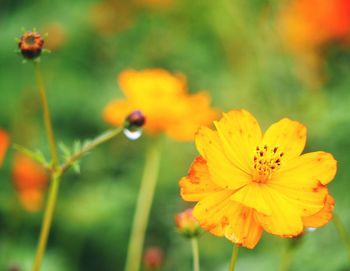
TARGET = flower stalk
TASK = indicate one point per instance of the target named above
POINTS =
(344, 236)
(57, 170)
(143, 207)
(195, 253)
(234, 257)
(55, 176)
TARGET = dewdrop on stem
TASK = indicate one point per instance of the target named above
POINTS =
(133, 125)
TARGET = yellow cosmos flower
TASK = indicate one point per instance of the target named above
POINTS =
(163, 99)
(245, 181)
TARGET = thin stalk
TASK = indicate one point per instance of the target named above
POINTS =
(343, 234)
(195, 252)
(55, 178)
(46, 112)
(286, 259)
(89, 146)
(143, 207)
(234, 257)
(46, 224)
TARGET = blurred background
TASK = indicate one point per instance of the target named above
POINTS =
(275, 58)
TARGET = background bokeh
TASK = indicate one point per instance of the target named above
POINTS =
(237, 50)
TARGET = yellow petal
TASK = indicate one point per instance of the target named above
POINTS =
(211, 212)
(322, 217)
(224, 217)
(196, 112)
(243, 228)
(197, 184)
(116, 112)
(222, 171)
(150, 84)
(285, 220)
(289, 136)
(253, 195)
(310, 167)
(240, 134)
(308, 198)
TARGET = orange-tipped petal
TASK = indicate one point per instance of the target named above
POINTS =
(221, 169)
(288, 135)
(197, 184)
(243, 228)
(240, 134)
(224, 217)
(4, 143)
(211, 212)
(322, 217)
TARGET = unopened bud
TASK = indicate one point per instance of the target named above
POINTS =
(31, 45)
(187, 224)
(135, 120)
(153, 258)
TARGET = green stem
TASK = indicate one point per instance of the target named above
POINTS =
(344, 236)
(286, 259)
(46, 224)
(234, 257)
(55, 177)
(143, 207)
(89, 146)
(195, 252)
(46, 112)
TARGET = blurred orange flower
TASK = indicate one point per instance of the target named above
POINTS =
(163, 99)
(4, 143)
(245, 181)
(30, 180)
(309, 24)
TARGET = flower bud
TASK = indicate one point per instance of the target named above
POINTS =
(153, 258)
(31, 45)
(186, 224)
(135, 120)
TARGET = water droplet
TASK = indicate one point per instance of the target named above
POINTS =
(132, 134)
(311, 229)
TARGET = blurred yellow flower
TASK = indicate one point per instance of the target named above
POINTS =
(30, 180)
(163, 99)
(245, 181)
(4, 142)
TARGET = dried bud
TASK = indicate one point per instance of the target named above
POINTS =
(187, 224)
(135, 120)
(153, 258)
(31, 45)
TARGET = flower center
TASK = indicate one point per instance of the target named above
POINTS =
(266, 161)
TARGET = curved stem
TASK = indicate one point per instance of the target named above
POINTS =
(195, 252)
(46, 224)
(344, 236)
(143, 207)
(234, 257)
(46, 112)
(89, 146)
